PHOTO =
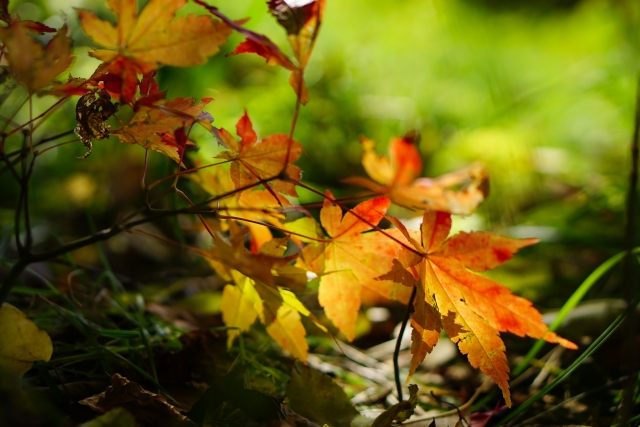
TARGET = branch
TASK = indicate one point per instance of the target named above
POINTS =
(630, 279)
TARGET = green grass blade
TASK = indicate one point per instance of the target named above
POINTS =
(592, 348)
(118, 333)
(568, 306)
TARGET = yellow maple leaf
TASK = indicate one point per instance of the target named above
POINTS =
(256, 206)
(154, 37)
(278, 309)
(21, 341)
(141, 42)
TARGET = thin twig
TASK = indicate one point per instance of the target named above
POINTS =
(396, 353)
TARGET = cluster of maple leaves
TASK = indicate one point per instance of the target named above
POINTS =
(255, 182)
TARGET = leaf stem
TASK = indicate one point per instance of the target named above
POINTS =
(396, 352)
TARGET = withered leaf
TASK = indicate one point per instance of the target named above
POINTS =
(147, 407)
(92, 112)
(34, 65)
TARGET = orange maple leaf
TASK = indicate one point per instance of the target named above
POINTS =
(352, 260)
(253, 161)
(397, 177)
(472, 309)
(254, 206)
(32, 64)
(140, 43)
(153, 126)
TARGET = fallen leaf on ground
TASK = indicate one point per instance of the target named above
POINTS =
(399, 412)
(146, 407)
(21, 341)
(316, 396)
(118, 417)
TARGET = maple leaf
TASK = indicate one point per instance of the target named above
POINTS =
(471, 309)
(397, 177)
(302, 23)
(256, 292)
(253, 160)
(263, 46)
(266, 267)
(140, 43)
(32, 64)
(34, 27)
(255, 205)
(154, 126)
(352, 260)
(278, 309)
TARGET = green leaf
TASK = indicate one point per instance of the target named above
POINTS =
(316, 396)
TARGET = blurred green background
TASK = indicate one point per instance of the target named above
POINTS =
(540, 91)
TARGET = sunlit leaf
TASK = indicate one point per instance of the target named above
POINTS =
(141, 42)
(353, 259)
(252, 161)
(397, 176)
(470, 308)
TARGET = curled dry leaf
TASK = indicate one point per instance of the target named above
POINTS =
(399, 412)
(472, 309)
(396, 176)
(34, 65)
(92, 112)
(21, 342)
(147, 408)
(302, 23)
